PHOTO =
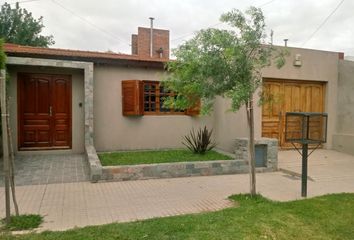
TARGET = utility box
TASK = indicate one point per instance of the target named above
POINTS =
(306, 127)
(261, 155)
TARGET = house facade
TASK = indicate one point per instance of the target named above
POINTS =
(67, 101)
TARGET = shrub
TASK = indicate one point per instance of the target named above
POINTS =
(199, 141)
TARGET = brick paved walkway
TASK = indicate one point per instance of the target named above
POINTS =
(67, 205)
(324, 165)
(44, 169)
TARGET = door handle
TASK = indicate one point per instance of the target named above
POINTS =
(50, 110)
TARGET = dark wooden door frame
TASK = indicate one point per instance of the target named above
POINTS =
(21, 77)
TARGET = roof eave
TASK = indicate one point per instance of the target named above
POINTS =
(96, 60)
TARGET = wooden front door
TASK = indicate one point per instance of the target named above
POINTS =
(288, 96)
(44, 111)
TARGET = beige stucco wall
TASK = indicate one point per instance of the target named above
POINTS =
(316, 66)
(228, 125)
(343, 139)
(113, 131)
(78, 127)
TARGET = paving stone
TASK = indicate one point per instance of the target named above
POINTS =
(42, 169)
(190, 166)
(215, 165)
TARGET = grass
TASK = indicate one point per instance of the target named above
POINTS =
(326, 217)
(23, 222)
(149, 157)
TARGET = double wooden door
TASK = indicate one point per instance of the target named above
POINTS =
(288, 96)
(44, 111)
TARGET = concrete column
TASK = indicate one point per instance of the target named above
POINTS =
(88, 82)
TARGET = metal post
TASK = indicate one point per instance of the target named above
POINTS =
(5, 145)
(304, 170)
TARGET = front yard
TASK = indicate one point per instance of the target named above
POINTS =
(326, 217)
(150, 157)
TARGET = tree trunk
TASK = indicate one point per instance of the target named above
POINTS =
(251, 149)
(4, 145)
(12, 158)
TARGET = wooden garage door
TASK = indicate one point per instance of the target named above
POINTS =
(44, 111)
(288, 96)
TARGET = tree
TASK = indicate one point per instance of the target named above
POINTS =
(5, 134)
(3, 131)
(2, 55)
(18, 26)
(225, 63)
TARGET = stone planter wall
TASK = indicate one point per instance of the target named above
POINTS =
(241, 151)
(172, 170)
(94, 163)
(188, 169)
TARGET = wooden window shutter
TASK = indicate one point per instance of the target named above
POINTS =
(194, 110)
(132, 98)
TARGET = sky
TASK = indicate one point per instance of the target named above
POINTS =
(108, 24)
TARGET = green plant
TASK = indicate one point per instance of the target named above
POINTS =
(17, 25)
(2, 55)
(153, 157)
(200, 141)
(24, 222)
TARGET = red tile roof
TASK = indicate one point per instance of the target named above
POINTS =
(20, 50)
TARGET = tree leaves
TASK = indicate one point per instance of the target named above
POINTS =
(2, 55)
(18, 26)
(226, 63)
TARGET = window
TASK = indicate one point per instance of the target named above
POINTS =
(146, 98)
(150, 93)
(154, 95)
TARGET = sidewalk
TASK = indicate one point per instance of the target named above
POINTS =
(67, 205)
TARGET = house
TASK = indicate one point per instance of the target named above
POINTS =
(69, 101)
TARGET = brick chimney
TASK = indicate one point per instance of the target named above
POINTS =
(134, 44)
(160, 43)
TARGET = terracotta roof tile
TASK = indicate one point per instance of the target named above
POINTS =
(15, 49)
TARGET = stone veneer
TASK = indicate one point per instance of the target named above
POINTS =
(241, 151)
(171, 170)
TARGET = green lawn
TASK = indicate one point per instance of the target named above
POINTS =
(148, 157)
(326, 217)
(23, 222)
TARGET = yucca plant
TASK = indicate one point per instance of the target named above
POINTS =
(199, 141)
